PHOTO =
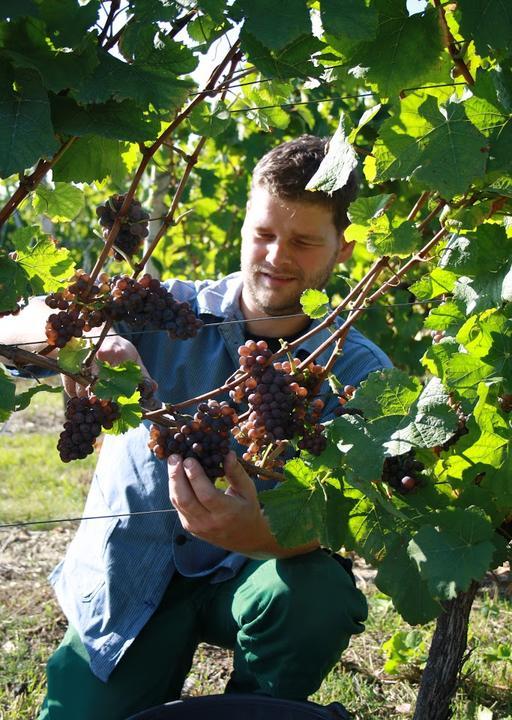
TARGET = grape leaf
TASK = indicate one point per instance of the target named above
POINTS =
(118, 120)
(370, 531)
(117, 381)
(386, 392)
(130, 414)
(118, 80)
(27, 46)
(476, 253)
(456, 551)
(489, 25)
(45, 265)
(439, 147)
(89, 159)
(67, 22)
(392, 58)
(315, 303)
(336, 166)
(72, 355)
(304, 508)
(438, 282)
(447, 316)
(14, 283)
(463, 372)
(14, 9)
(26, 132)
(399, 578)
(293, 61)
(361, 212)
(60, 204)
(23, 399)
(350, 19)
(387, 238)
(208, 122)
(362, 452)
(7, 394)
(276, 25)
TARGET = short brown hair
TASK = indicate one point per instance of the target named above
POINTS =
(286, 170)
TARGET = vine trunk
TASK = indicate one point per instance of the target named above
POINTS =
(446, 657)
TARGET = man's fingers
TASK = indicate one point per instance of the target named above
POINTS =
(205, 491)
(239, 481)
(181, 492)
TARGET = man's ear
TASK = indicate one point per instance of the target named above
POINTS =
(345, 251)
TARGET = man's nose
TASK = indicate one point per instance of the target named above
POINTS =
(277, 251)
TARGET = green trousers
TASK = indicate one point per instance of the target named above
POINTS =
(287, 622)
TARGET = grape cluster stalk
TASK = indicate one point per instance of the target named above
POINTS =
(134, 225)
(281, 400)
(85, 418)
(204, 437)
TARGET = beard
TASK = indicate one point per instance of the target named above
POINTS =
(279, 301)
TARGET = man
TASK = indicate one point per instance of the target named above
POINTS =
(141, 591)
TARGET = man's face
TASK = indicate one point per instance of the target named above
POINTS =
(287, 247)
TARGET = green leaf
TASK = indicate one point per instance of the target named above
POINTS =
(130, 414)
(336, 166)
(209, 122)
(476, 253)
(14, 9)
(14, 284)
(67, 21)
(387, 238)
(463, 372)
(438, 147)
(27, 46)
(456, 551)
(361, 213)
(293, 61)
(90, 159)
(23, 399)
(448, 317)
(118, 80)
(386, 392)
(117, 381)
(371, 530)
(362, 452)
(365, 118)
(45, 265)
(315, 303)
(276, 25)
(60, 204)
(304, 508)
(489, 25)
(438, 282)
(26, 132)
(399, 578)
(350, 19)
(7, 394)
(72, 355)
(117, 120)
(392, 60)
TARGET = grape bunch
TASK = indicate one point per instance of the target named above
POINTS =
(147, 304)
(79, 306)
(281, 401)
(343, 399)
(505, 403)
(85, 418)
(204, 437)
(134, 225)
(401, 472)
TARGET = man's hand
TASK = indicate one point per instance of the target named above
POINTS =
(232, 519)
(114, 350)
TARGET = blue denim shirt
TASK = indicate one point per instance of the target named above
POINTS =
(116, 569)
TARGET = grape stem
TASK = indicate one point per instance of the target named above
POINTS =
(25, 357)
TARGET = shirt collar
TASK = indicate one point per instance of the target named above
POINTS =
(222, 299)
